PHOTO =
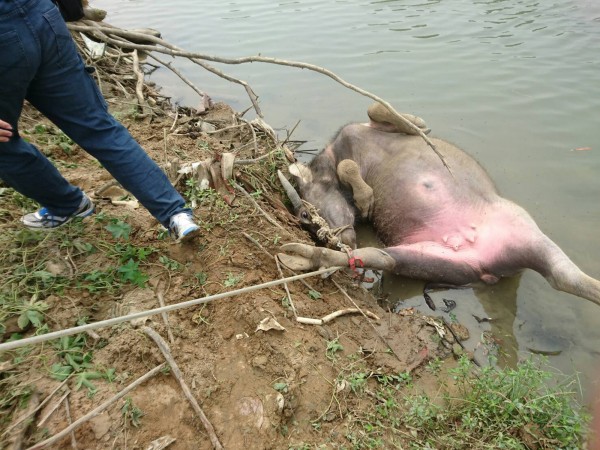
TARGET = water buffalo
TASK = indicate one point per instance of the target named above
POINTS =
(438, 225)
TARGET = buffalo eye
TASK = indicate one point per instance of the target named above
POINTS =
(304, 215)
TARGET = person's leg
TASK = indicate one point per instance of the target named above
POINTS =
(64, 92)
(22, 166)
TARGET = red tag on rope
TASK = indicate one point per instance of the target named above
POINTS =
(355, 262)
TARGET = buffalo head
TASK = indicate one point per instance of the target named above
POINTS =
(331, 195)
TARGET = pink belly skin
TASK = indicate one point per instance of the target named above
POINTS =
(478, 239)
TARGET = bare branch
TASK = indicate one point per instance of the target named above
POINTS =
(162, 46)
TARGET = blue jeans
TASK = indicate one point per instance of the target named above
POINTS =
(39, 62)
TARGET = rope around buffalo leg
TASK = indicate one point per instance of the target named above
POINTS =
(331, 237)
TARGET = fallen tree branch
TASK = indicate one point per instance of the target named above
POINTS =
(139, 85)
(161, 46)
(101, 32)
(98, 410)
(164, 348)
(183, 78)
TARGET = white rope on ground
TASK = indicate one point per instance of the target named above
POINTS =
(151, 312)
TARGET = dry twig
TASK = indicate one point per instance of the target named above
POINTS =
(165, 317)
(57, 437)
(335, 315)
(68, 413)
(164, 348)
(53, 408)
(40, 406)
(18, 432)
(257, 206)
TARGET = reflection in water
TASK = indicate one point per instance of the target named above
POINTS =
(487, 311)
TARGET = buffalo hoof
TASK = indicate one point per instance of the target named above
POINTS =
(380, 114)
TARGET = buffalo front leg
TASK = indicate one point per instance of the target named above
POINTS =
(307, 257)
(349, 173)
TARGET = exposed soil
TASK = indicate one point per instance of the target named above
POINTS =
(259, 389)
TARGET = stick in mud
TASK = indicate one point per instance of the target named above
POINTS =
(164, 348)
(57, 437)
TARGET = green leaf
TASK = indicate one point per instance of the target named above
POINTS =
(281, 387)
(202, 277)
(119, 230)
(23, 321)
(60, 372)
(110, 375)
(35, 317)
(82, 380)
(130, 272)
(43, 275)
(315, 295)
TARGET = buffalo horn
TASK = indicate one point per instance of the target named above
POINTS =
(290, 191)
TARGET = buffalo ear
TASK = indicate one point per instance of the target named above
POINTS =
(301, 172)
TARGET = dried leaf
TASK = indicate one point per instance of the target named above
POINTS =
(268, 323)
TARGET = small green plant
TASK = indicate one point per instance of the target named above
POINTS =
(434, 365)
(333, 347)
(232, 280)
(75, 359)
(170, 264)
(202, 278)
(358, 381)
(203, 145)
(127, 251)
(281, 387)
(32, 313)
(119, 229)
(131, 414)
(99, 281)
(132, 273)
(491, 408)
(314, 295)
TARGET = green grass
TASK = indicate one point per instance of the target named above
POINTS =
(95, 259)
(510, 408)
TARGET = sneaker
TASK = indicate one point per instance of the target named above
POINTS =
(43, 219)
(182, 227)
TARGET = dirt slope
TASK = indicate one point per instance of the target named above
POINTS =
(291, 388)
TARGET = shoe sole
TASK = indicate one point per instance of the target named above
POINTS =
(81, 215)
(189, 237)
